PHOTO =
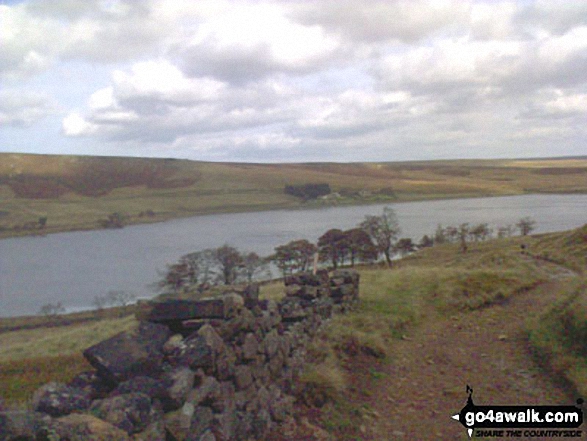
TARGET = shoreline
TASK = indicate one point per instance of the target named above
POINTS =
(164, 217)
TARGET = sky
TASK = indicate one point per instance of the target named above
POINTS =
(294, 81)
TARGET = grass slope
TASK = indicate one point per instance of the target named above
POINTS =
(79, 192)
(437, 282)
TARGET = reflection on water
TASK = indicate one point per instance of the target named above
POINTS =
(74, 268)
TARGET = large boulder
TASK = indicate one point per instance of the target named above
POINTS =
(58, 399)
(130, 353)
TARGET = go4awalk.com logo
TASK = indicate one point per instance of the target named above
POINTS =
(521, 421)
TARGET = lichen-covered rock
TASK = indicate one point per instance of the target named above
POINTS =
(132, 412)
(130, 353)
(82, 427)
(58, 399)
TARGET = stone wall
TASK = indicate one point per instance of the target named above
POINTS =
(199, 370)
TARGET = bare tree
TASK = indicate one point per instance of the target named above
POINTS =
(229, 262)
(52, 309)
(426, 242)
(333, 246)
(253, 265)
(294, 256)
(384, 231)
(463, 232)
(526, 225)
(507, 231)
(405, 246)
(360, 246)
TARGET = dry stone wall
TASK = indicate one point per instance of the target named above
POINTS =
(196, 370)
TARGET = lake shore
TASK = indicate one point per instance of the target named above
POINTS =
(293, 206)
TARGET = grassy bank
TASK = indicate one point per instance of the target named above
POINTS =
(347, 359)
(47, 194)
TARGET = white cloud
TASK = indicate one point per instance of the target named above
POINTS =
(323, 79)
(22, 109)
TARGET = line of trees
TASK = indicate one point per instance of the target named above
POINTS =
(374, 237)
(377, 236)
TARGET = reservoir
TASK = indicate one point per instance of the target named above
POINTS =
(74, 268)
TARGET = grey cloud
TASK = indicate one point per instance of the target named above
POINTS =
(377, 21)
(558, 17)
(22, 109)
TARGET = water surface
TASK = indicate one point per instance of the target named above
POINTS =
(74, 268)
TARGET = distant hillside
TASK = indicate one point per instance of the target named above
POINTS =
(59, 193)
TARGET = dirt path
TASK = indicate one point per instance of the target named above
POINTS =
(425, 382)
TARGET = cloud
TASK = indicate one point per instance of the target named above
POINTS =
(379, 21)
(246, 43)
(22, 109)
(318, 80)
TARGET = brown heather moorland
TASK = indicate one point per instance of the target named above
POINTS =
(42, 194)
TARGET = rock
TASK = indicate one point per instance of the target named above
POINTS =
(199, 350)
(132, 412)
(174, 344)
(291, 310)
(155, 432)
(251, 295)
(207, 436)
(250, 347)
(22, 425)
(58, 399)
(205, 393)
(225, 362)
(202, 419)
(91, 383)
(156, 389)
(243, 377)
(343, 291)
(347, 275)
(261, 424)
(178, 422)
(130, 353)
(294, 290)
(177, 310)
(280, 405)
(243, 322)
(179, 383)
(271, 343)
(307, 279)
(82, 427)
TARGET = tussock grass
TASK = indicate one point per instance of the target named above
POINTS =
(20, 378)
(53, 342)
(569, 249)
(559, 337)
(31, 358)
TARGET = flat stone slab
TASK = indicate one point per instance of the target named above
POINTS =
(181, 310)
(129, 353)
